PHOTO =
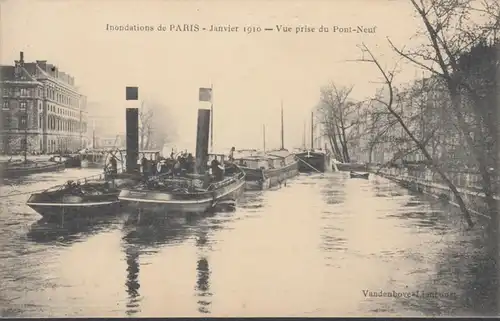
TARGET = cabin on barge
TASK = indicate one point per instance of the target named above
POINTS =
(266, 170)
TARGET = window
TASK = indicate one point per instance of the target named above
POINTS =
(24, 92)
(23, 105)
(5, 105)
(22, 121)
(7, 121)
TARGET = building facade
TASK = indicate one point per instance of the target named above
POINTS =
(42, 109)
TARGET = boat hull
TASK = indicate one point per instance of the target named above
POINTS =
(360, 175)
(347, 167)
(165, 204)
(312, 162)
(258, 179)
(63, 203)
(59, 211)
(18, 171)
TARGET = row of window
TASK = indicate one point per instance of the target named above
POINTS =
(11, 122)
(63, 111)
(22, 104)
(61, 98)
(51, 108)
(52, 93)
(53, 123)
(61, 124)
(19, 92)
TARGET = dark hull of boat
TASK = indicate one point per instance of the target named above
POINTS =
(58, 211)
(157, 202)
(312, 162)
(16, 171)
(347, 167)
(62, 203)
(360, 175)
(257, 179)
(73, 163)
(70, 161)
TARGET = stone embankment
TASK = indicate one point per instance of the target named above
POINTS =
(427, 182)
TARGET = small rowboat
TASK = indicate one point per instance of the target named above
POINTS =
(359, 175)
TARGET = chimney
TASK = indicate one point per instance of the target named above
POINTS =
(42, 64)
(21, 57)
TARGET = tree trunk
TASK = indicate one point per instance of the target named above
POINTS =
(436, 168)
(333, 141)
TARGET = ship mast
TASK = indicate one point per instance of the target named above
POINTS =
(26, 133)
(312, 130)
(304, 137)
(264, 136)
(282, 128)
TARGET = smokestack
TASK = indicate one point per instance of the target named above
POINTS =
(202, 137)
(132, 124)
(21, 57)
(132, 130)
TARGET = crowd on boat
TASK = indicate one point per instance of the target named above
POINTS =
(172, 166)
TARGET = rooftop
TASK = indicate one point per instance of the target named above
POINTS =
(33, 71)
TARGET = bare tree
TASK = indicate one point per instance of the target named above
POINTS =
(378, 130)
(145, 124)
(453, 28)
(155, 127)
(388, 77)
(339, 115)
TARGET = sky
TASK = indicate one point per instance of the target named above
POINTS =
(251, 74)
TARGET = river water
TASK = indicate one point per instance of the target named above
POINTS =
(323, 245)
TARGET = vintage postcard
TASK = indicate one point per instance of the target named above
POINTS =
(249, 158)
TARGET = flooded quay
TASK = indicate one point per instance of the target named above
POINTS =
(323, 245)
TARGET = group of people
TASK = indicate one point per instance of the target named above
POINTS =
(184, 163)
(176, 165)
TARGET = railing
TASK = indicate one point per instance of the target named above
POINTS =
(465, 181)
(85, 180)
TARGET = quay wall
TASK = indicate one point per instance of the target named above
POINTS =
(428, 182)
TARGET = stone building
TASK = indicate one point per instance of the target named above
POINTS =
(42, 109)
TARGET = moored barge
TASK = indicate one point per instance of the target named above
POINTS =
(188, 194)
(266, 170)
(313, 161)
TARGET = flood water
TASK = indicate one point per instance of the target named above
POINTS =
(323, 245)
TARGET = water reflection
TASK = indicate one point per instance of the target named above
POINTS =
(252, 201)
(321, 240)
(146, 238)
(203, 285)
(155, 233)
(71, 231)
(132, 282)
